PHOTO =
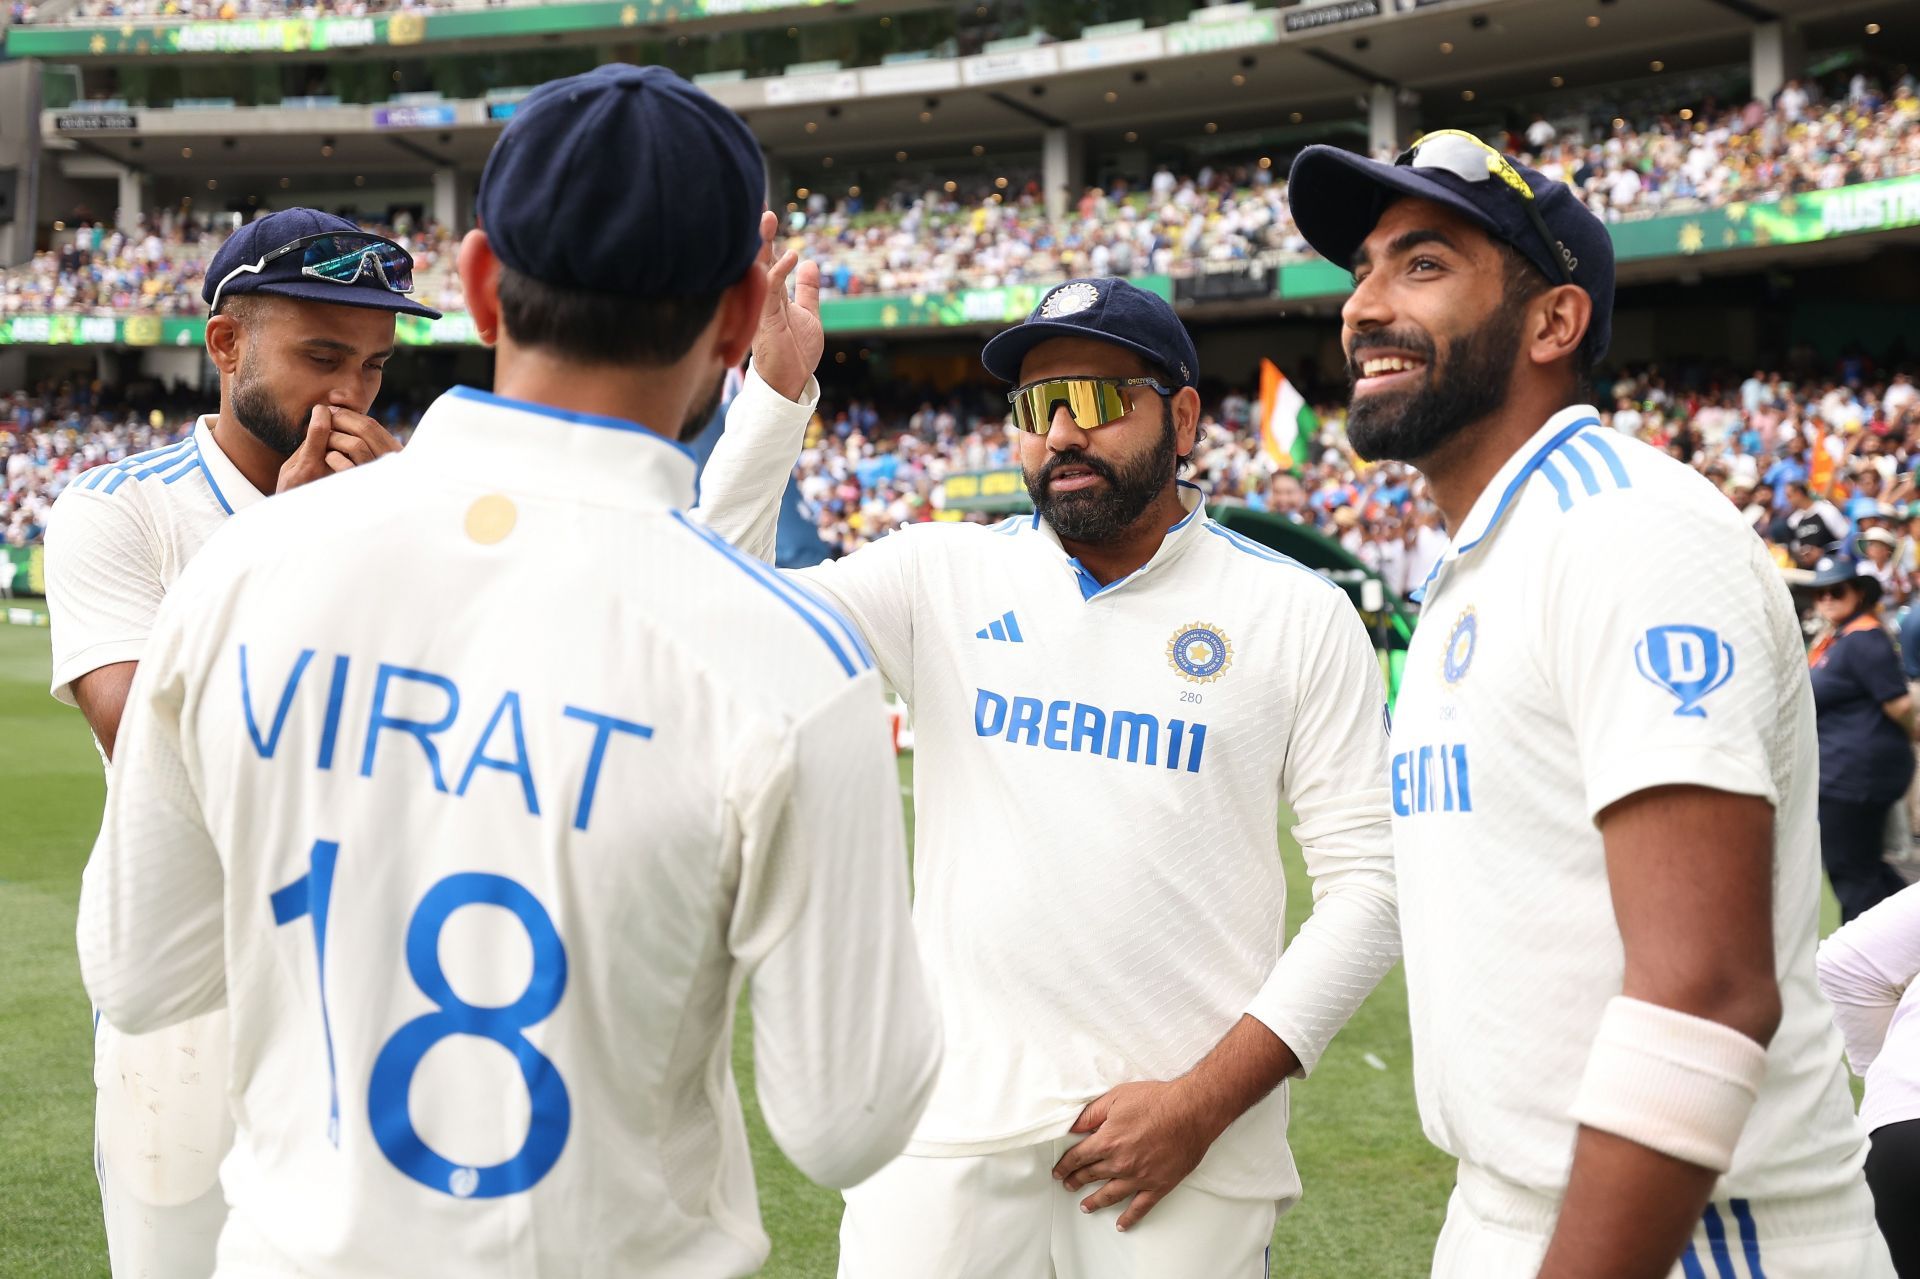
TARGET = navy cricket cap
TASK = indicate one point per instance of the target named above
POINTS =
(625, 180)
(1105, 309)
(231, 274)
(1338, 197)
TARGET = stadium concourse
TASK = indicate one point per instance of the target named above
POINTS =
(913, 241)
(868, 471)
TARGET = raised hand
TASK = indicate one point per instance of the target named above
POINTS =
(790, 341)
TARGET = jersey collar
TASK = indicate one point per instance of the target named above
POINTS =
(234, 491)
(1179, 537)
(1509, 482)
(528, 447)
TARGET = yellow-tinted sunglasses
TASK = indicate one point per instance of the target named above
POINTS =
(1093, 401)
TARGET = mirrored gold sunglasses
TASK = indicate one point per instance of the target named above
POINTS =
(1092, 401)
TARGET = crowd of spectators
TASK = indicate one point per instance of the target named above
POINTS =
(1756, 438)
(53, 432)
(983, 235)
(1821, 460)
(159, 267)
(23, 11)
(957, 237)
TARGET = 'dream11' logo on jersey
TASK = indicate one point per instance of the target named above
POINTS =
(1690, 662)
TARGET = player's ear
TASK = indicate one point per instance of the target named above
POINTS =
(1186, 420)
(480, 282)
(738, 316)
(1561, 317)
(223, 343)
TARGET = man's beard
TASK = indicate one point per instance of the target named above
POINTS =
(1098, 515)
(253, 405)
(1470, 385)
(698, 419)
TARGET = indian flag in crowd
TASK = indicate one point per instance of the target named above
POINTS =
(1287, 425)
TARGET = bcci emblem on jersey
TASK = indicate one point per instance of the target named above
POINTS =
(1459, 650)
(1688, 661)
(1200, 652)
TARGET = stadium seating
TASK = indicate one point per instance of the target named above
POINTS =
(907, 241)
(866, 472)
(103, 10)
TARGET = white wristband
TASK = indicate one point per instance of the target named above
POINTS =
(1673, 1082)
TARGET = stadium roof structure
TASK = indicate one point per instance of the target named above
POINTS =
(1234, 68)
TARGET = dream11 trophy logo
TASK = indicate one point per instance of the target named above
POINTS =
(1690, 662)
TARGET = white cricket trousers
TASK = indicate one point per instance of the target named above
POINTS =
(1003, 1216)
(1497, 1230)
(160, 1129)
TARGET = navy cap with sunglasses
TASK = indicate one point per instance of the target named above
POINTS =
(315, 257)
(1337, 198)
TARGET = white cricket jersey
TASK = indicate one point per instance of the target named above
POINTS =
(474, 782)
(1604, 622)
(1099, 778)
(118, 537)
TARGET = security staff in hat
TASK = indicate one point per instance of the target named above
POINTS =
(1114, 699)
(1604, 769)
(300, 327)
(494, 774)
(1865, 716)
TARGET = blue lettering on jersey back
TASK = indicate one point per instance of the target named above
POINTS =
(1688, 661)
(1077, 728)
(423, 731)
(604, 727)
(518, 765)
(1431, 779)
(500, 746)
(271, 743)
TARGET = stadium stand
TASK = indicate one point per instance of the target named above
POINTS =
(904, 241)
(215, 10)
(866, 472)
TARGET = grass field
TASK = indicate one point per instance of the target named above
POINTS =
(1375, 1189)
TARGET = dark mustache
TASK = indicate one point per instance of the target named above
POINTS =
(1060, 461)
(1418, 343)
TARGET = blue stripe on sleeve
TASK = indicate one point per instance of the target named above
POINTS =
(1262, 552)
(1559, 482)
(1690, 1263)
(160, 459)
(101, 474)
(1749, 1236)
(187, 466)
(1717, 1242)
(137, 467)
(831, 612)
(1598, 443)
(803, 605)
(1588, 480)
